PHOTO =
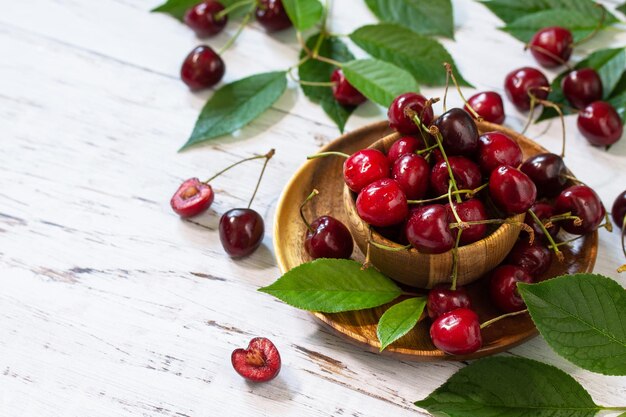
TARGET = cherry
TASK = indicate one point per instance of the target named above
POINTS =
(343, 91)
(472, 210)
(457, 332)
(401, 121)
(192, 198)
(241, 231)
(427, 229)
(534, 258)
(548, 172)
(382, 203)
(201, 18)
(466, 174)
(272, 15)
(203, 68)
(552, 46)
(583, 202)
(503, 287)
(495, 149)
(582, 87)
(442, 299)
(600, 124)
(458, 131)
(404, 145)
(619, 209)
(518, 83)
(412, 172)
(543, 211)
(364, 167)
(260, 362)
(488, 105)
(511, 190)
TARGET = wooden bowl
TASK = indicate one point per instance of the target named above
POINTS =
(360, 326)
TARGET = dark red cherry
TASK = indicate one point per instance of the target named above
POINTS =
(534, 259)
(583, 202)
(552, 46)
(543, 211)
(466, 173)
(442, 299)
(201, 18)
(400, 120)
(192, 198)
(403, 146)
(503, 287)
(272, 15)
(427, 229)
(241, 231)
(488, 105)
(364, 167)
(518, 82)
(619, 210)
(203, 68)
(511, 190)
(328, 238)
(472, 210)
(343, 91)
(382, 203)
(600, 124)
(457, 332)
(260, 362)
(495, 149)
(582, 87)
(459, 132)
(413, 175)
(547, 171)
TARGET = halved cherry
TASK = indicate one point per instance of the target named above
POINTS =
(260, 362)
(192, 198)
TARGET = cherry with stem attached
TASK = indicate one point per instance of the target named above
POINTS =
(619, 216)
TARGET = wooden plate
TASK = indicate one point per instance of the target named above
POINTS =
(360, 326)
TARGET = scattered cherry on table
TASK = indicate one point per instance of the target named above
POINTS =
(202, 18)
(202, 68)
(259, 362)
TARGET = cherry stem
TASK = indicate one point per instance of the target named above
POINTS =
(469, 193)
(232, 8)
(572, 178)
(495, 319)
(329, 153)
(549, 54)
(597, 28)
(455, 260)
(433, 130)
(389, 248)
(456, 215)
(268, 156)
(621, 268)
(524, 226)
(242, 25)
(316, 83)
(428, 149)
(567, 242)
(560, 217)
(366, 262)
(445, 91)
(607, 223)
(327, 60)
(546, 103)
(252, 158)
(458, 89)
(309, 198)
(548, 236)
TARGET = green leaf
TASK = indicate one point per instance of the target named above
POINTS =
(304, 14)
(379, 81)
(177, 8)
(510, 387)
(333, 285)
(236, 104)
(621, 8)
(430, 17)
(583, 318)
(580, 24)
(317, 71)
(399, 46)
(511, 10)
(398, 320)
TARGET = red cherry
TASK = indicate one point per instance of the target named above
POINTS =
(201, 18)
(535, 259)
(192, 198)
(413, 175)
(400, 121)
(344, 92)
(260, 362)
(495, 149)
(488, 105)
(382, 203)
(329, 238)
(519, 82)
(511, 190)
(272, 15)
(543, 211)
(582, 87)
(503, 287)
(472, 210)
(583, 202)
(427, 229)
(457, 332)
(364, 167)
(442, 299)
(466, 173)
(600, 124)
(203, 68)
(241, 231)
(619, 209)
(404, 145)
(548, 172)
(552, 46)
(458, 131)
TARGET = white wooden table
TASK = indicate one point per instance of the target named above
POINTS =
(110, 305)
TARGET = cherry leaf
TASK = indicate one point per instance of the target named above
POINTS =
(431, 17)
(304, 14)
(398, 320)
(511, 10)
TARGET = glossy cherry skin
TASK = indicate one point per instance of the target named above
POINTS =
(583, 202)
(582, 87)
(618, 210)
(518, 82)
(427, 229)
(260, 362)
(600, 124)
(503, 287)
(412, 172)
(495, 149)
(488, 105)
(272, 16)
(552, 46)
(466, 173)
(201, 18)
(241, 231)
(329, 239)
(457, 332)
(547, 171)
(459, 132)
(442, 299)
(364, 167)
(511, 190)
(543, 211)
(400, 121)
(203, 68)
(535, 259)
(343, 91)
(472, 210)
(404, 145)
(192, 198)
(382, 203)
